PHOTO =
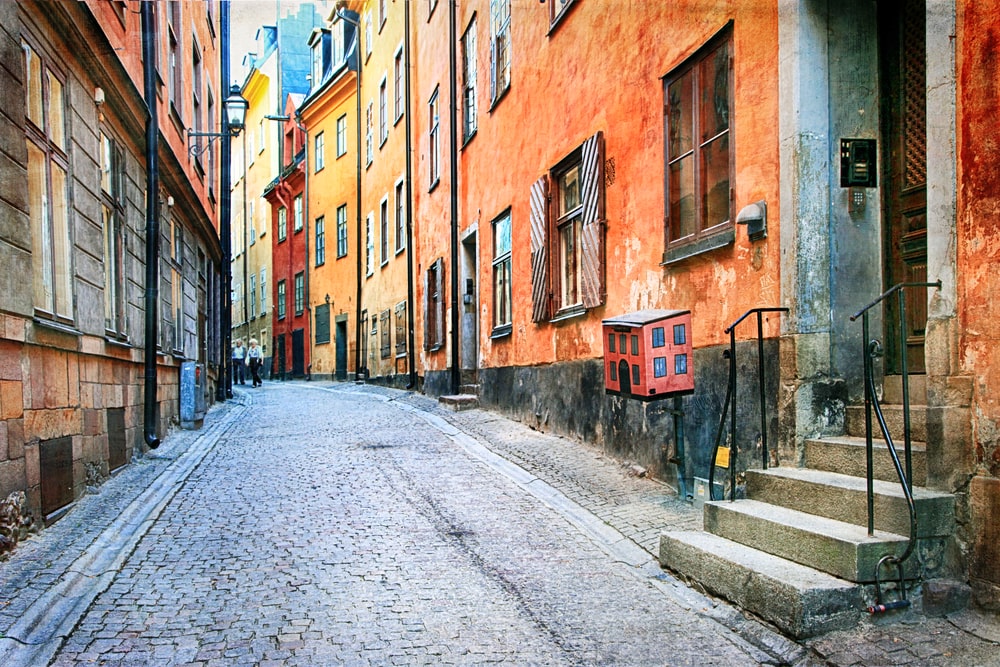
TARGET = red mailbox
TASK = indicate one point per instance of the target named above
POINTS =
(648, 354)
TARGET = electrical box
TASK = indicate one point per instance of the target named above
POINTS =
(858, 166)
(648, 354)
(192, 395)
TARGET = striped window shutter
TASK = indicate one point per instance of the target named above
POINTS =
(540, 292)
(428, 305)
(592, 252)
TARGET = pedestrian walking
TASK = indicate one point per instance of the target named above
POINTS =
(239, 357)
(254, 358)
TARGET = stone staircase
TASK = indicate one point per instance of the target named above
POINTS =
(467, 397)
(796, 551)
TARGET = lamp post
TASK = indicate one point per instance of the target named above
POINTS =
(342, 16)
(235, 110)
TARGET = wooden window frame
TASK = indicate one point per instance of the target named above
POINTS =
(689, 233)
(502, 274)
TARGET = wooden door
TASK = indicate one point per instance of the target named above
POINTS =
(904, 113)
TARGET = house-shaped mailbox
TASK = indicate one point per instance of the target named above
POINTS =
(648, 354)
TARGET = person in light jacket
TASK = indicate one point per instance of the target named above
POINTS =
(254, 358)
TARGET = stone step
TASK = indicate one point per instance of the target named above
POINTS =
(892, 389)
(845, 498)
(799, 600)
(846, 455)
(854, 418)
(471, 389)
(841, 549)
(459, 402)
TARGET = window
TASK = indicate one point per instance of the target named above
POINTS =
(175, 329)
(263, 295)
(383, 229)
(342, 135)
(342, 231)
(322, 328)
(176, 76)
(698, 104)
(401, 331)
(253, 224)
(501, 275)
(320, 240)
(48, 183)
(369, 134)
(261, 136)
(113, 207)
(369, 245)
(434, 138)
(282, 223)
(400, 217)
(469, 103)
(297, 203)
(300, 292)
(319, 156)
(383, 112)
(570, 231)
(317, 64)
(386, 341)
(434, 306)
(252, 293)
(263, 342)
(381, 14)
(397, 83)
(499, 48)
(557, 8)
(196, 92)
(281, 299)
(368, 34)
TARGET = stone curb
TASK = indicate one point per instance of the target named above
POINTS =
(37, 635)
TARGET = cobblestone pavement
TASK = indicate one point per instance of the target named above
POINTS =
(341, 524)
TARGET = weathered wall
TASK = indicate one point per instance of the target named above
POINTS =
(569, 398)
(978, 255)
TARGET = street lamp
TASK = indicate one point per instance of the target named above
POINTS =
(236, 116)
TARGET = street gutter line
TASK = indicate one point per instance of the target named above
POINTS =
(40, 631)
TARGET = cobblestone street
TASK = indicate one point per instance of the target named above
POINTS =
(338, 524)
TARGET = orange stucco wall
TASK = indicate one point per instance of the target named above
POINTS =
(600, 69)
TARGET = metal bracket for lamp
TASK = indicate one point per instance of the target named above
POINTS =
(236, 115)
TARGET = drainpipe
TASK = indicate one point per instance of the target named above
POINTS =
(152, 228)
(305, 240)
(246, 246)
(410, 277)
(357, 318)
(453, 138)
(225, 387)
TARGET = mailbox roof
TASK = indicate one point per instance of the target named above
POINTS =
(642, 317)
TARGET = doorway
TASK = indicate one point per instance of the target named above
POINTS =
(298, 353)
(470, 311)
(903, 54)
(341, 343)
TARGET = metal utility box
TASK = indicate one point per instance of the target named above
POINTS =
(192, 391)
(648, 354)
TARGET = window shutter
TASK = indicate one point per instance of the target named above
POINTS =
(427, 309)
(539, 250)
(440, 303)
(592, 270)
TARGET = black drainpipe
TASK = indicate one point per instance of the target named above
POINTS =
(225, 380)
(152, 228)
(410, 251)
(453, 137)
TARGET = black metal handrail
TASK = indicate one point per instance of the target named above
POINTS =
(873, 350)
(730, 402)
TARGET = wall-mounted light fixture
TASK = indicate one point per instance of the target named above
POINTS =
(754, 216)
(236, 115)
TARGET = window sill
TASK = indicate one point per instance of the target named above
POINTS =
(503, 331)
(57, 326)
(718, 240)
(112, 338)
(569, 313)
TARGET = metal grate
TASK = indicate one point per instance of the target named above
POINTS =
(914, 96)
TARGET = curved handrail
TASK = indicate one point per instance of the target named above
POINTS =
(895, 288)
(731, 404)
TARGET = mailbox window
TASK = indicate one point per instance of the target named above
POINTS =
(659, 339)
(680, 335)
(635, 346)
(623, 342)
(611, 342)
(659, 367)
(681, 364)
(635, 375)
(613, 368)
